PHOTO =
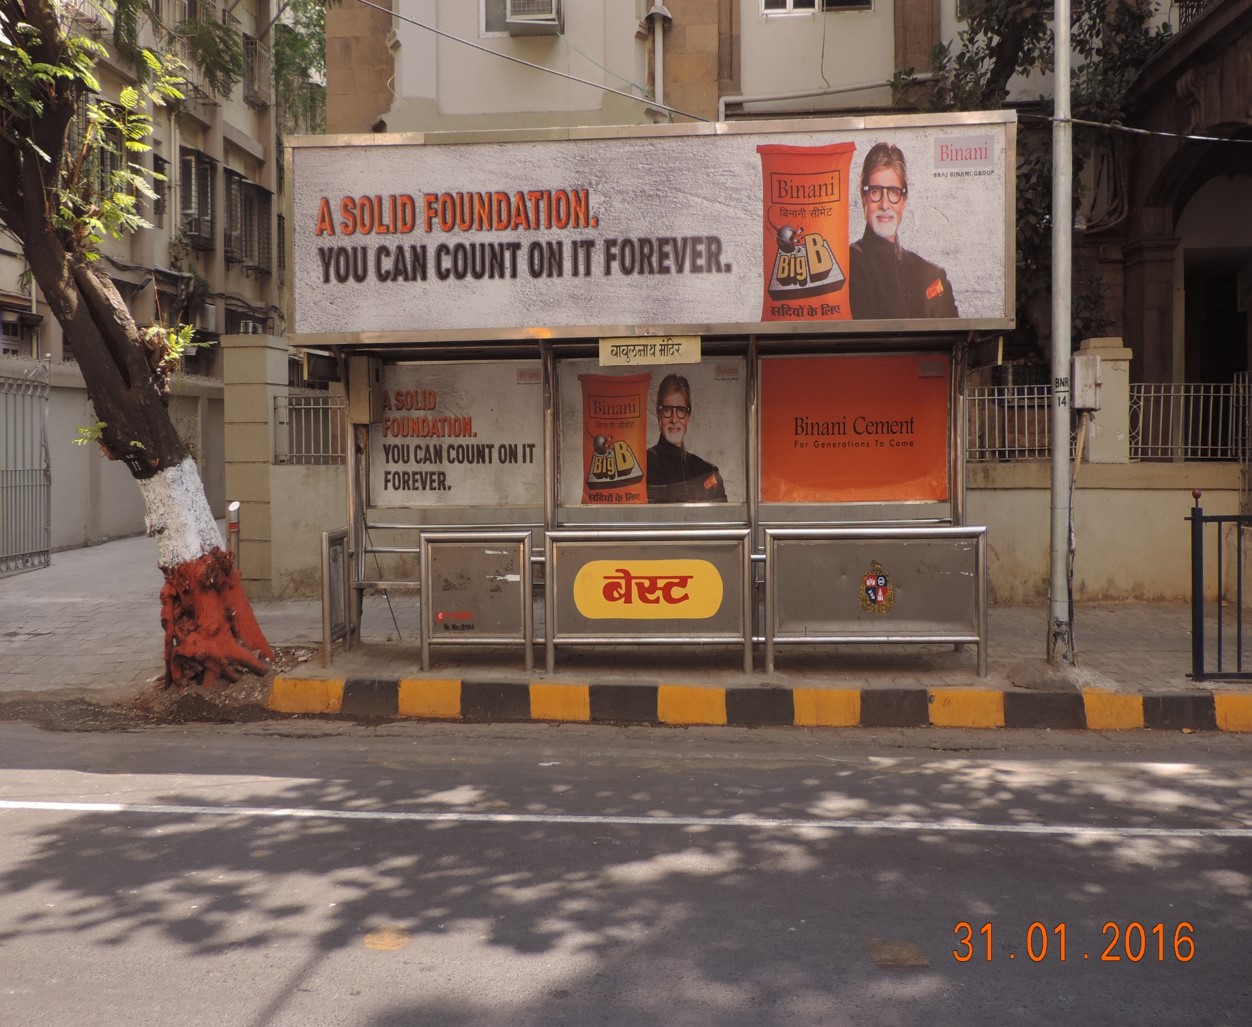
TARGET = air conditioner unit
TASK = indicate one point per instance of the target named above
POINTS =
(534, 17)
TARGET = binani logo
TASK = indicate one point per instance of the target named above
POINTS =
(964, 152)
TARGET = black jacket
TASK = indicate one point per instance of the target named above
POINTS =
(676, 476)
(886, 281)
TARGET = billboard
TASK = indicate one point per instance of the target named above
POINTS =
(458, 434)
(670, 433)
(855, 429)
(854, 225)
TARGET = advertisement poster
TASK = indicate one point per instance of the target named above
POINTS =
(458, 434)
(672, 433)
(901, 221)
(805, 189)
(854, 429)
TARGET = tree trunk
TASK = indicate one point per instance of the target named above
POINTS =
(45, 199)
(210, 630)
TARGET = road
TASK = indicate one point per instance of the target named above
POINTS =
(312, 873)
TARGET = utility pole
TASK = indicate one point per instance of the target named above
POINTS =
(1060, 624)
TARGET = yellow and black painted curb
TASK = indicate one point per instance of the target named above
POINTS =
(484, 701)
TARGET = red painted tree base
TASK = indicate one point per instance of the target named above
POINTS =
(211, 633)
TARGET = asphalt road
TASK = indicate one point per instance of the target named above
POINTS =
(289, 873)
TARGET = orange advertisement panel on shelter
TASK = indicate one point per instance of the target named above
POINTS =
(855, 429)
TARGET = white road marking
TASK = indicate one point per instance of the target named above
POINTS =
(560, 819)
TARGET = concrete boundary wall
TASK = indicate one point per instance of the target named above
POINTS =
(94, 499)
(1132, 539)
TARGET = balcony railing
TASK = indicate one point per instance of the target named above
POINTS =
(1190, 10)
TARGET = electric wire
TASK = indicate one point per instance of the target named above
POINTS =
(1117, 126)
(537, 67)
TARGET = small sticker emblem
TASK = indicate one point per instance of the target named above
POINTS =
(877, 593)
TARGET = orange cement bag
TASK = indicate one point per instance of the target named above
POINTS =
(615, 437)
(805, 231)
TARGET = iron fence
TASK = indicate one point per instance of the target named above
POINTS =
(25, 475)
(1186, 421)
(1009, 422)
(310, 429)
(1168, 421)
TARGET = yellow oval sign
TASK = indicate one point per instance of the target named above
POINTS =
(648, 590)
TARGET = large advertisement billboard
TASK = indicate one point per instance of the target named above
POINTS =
(889, 223)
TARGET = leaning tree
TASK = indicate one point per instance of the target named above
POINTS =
(61, 201)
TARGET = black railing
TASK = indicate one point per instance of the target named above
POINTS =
(1199, 668)
(1189, 10)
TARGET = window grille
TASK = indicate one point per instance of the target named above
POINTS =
(805, 6)
(234, 213)
(195, 172)
(160, 186)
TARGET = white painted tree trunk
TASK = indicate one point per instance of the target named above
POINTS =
(178, 515)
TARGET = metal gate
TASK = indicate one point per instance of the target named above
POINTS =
(25, 475)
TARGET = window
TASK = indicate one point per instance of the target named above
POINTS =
(258, 215)
(803, 6)
(195, 188)
(522, 17)
(963, 9)
(234, 217)
(493, 18)
(249, 214)
(160, 186)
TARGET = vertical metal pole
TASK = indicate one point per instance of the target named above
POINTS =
(356, 553)
(426, 620)
(1239, 596)
(528, 606)
(551, 396)
(326, 599)
(1197, 589)
(958, 439)
(1221, 589)
(768, 627)
(1060, 629)
(232, 531)
(980, 601)
(748, 604)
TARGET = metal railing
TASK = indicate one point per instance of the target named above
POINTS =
(310, 429)
(1186, 421)
(1227, 650)
(1190, 10)
(1168, 421)
(1009, 422)
(25, 475)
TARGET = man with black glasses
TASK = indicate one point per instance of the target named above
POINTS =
(675, 475)
(886, 281)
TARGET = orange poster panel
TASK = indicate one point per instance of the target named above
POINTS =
(854, 429)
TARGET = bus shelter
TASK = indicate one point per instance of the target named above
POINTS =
(684, 384)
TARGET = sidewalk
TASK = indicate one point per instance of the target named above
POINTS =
(89, 626)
